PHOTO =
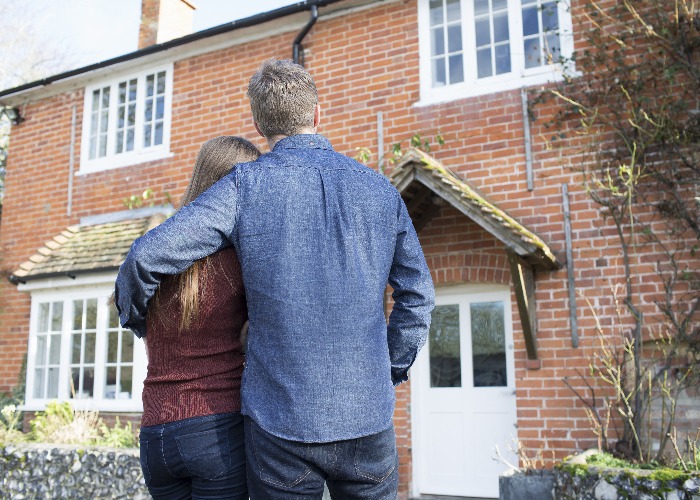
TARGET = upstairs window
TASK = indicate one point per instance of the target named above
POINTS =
(127, 120)
(473, 47)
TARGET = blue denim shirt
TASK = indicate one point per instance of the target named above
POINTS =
(319, 237)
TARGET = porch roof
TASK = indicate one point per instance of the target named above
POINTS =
(423, 182)
(85, 249)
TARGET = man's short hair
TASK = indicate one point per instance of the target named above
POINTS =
(283, 98)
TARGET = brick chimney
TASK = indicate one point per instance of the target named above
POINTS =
(163, 20)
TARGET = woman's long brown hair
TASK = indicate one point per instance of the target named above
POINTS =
(215, 159)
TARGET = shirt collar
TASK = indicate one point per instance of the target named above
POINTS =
(301, 141)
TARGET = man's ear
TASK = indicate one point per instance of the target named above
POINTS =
(255, 124)
(317, 115)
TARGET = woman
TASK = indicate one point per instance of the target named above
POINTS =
(191, 428)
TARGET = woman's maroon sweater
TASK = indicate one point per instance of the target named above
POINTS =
(196, 371)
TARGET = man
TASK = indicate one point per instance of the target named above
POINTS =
(319, 237)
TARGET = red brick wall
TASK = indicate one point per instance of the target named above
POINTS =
(363, 63)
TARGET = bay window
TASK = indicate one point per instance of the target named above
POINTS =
(79, 352)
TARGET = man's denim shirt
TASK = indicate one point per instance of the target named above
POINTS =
(319, 237)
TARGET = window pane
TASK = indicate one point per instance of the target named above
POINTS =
(76, 348)
(103, 120)
(550, 17)
(105, 97)
(39, 382)
(483, 62)
(500, 27)
(159, 134)
(456, 69)
(488, 344)
(88, 389)
(103, 146)
(95, 99)
(161, 82)
(43, 325)
(132, 90)
(552, 50)
(74, 383)
(131, 118)
(122, 93)
(436, 13)
(91, 314)
(530, 21)
(77, 314)
(40, 350)
(454, 38)
(120, 142)
(125, 383)
(149, 85)
(149, 110)
(89, 349)
(113, 317)
(160, 108)
(130, 139)
(481, 7)
(112, 347)
(483, 33)
(502, 59)
(444, 347)
(57, 316)
(127, 347)
(500, 5)
(532, 52)
(111, 383)
(147, 135)
(54, 349)
(437, 41)
(439, 78)
(52, 389)
(453, 11)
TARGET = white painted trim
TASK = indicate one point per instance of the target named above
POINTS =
(52, 285)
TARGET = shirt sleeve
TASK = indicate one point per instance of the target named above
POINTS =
(199, 229)
(414, 298)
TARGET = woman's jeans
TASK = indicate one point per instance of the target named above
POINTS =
(200, 457)
(363, 468)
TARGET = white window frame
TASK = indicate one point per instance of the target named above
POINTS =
(472, 86)
(139, 154)
(100, 290)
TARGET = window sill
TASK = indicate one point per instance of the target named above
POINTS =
(490, 85)
(113, 163)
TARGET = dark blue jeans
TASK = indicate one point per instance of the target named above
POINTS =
(200, 457)
(362, 468)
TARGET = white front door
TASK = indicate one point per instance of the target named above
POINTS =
(463, 394)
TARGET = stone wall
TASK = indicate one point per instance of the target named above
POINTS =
(33, 471)
(593, 483)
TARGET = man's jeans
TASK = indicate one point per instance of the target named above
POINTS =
(200, 457)
(362, 468)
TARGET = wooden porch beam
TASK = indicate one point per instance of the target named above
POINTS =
(524, 283)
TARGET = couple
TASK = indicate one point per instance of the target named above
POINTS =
(318, 237)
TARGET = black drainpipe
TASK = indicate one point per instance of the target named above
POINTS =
(297, 51)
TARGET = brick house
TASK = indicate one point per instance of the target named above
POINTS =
(490, 206)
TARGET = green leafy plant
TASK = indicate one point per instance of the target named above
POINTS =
(117, 436)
